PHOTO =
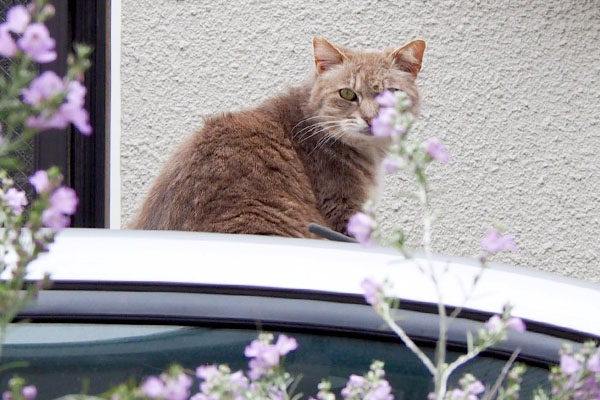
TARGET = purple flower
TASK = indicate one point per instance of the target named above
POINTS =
(357, 380)
(76, 93)
(7, 395)
(285, 344)
(178, 388)
(16, 199)
(73, 110)
(386, 99)
(8, 47)
(372, 290)
(356, 383)
(593, 363)
(153, 387)
(17, 18)
(29, 392)
(37, 43)
(494, 324)
(47, 120)
(264, 357)
(64, 200)
(382, 391)
(457, 394)
(77, 115)
(390, 165)
(40, 182)
(476, 388)
(206, 372)
(48, 85)
(516, 324)
(382, 124)
(590, 390)
(360, 225)
(55, 220)
(238, 379)
(437, 151)
(494, 242)
(569, 365)
(44, 87)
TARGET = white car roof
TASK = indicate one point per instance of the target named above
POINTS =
(96, 255)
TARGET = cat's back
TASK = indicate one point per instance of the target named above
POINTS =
(239, 174)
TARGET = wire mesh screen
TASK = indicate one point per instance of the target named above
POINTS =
(26, 153)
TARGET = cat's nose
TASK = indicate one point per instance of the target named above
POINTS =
(368, 120)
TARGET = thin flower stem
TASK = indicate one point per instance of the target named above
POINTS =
(440, 350)
(408, 342)
(490, 395)
(463, 359)
(467, 297)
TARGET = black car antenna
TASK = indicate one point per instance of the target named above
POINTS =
(330, 234)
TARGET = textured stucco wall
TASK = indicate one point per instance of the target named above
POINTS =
(512, 88)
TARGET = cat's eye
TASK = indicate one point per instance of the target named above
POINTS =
(348, 94)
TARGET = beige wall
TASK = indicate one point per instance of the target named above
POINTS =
(512, 88)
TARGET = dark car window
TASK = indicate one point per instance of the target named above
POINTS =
(63, 358)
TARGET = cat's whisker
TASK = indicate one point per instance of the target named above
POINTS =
(315, 129)
(313, 132)
(313, 117)
(329, 138)
(336, 135)
(314, 126)
(321, 123)
(308, 119)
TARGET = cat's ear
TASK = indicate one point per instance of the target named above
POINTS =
(409, 57)
(326, 55)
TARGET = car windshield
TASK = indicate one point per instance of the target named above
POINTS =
(68, 358)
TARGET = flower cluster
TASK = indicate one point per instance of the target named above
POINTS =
(174, 385)
(264, 356)
(220, 383)
(56, 202)
(578, 375)
(19, 390)
(35, 40)
(436, 151)
(28, 104)
(265, 379)
(16, 199)
(470, 389)
(497, 324)
(46, 89)
(496, 328)
(62, 201)
(371, 386)
(495, 241)
(377, 294)
(394, 121)
(46, 101)
(362, 225)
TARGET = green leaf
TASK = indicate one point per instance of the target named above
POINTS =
(10, 163)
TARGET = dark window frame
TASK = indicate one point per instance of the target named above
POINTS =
(82, 159)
